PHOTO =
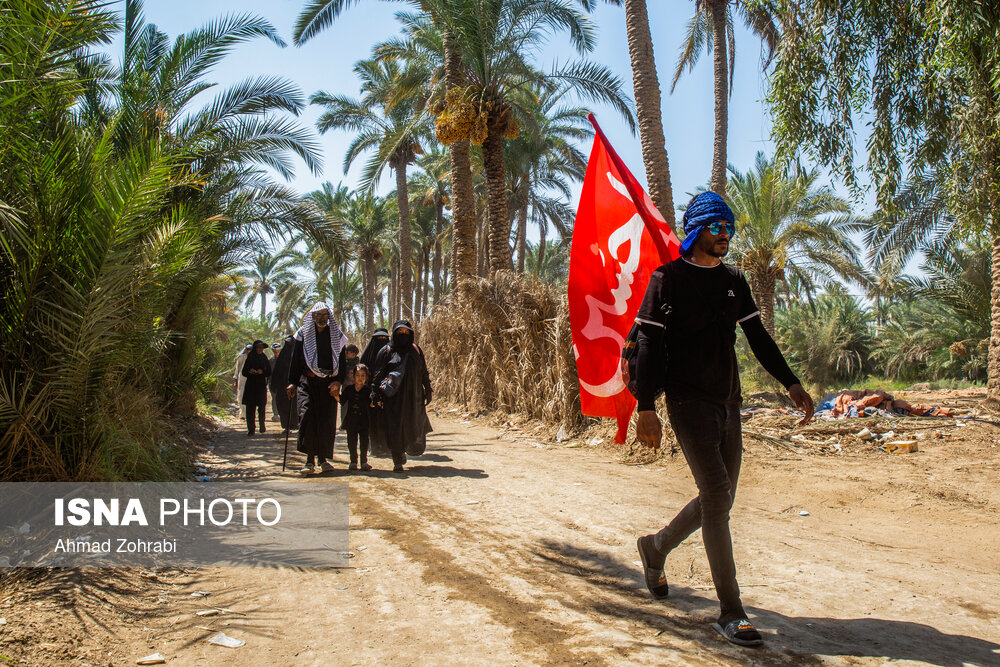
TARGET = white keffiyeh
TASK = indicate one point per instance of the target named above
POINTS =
(307, 334)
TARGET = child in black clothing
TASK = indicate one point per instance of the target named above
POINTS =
(355, 402)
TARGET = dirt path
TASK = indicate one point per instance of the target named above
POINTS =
(516, 552)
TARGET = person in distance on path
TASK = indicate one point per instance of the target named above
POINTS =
(686, 347)
(256, 369)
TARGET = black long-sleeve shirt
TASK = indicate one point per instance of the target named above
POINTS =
(689, 313)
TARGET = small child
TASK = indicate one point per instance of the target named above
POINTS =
(355, 402)
(351, 359)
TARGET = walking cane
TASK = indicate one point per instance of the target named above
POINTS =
(288, 422)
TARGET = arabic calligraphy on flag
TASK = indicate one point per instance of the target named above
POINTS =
(619, 239)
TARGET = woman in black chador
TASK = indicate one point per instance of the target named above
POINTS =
(402, 386)
(376, 429)
(287, 415)
(256, 369)
(314, 378)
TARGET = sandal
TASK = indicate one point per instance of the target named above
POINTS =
(740, 632)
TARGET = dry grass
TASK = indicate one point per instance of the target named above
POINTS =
(504, 345)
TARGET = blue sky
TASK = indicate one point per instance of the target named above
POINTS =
(326, 63)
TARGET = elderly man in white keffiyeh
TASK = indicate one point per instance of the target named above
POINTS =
(314, 378)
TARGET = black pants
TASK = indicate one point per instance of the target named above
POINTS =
(355, 438)
(710, 436)
(259, 409)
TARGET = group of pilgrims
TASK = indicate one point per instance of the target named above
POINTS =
(382, 393)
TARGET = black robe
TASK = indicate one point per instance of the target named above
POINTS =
(376, 427)
(317, 411)
(404, 415)
(255, 389)
(288, 417)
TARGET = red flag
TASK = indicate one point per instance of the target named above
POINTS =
(619, 239)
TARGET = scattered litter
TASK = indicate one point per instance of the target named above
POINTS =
(799, 437)
(203, 478)
(901, 446)
(206, 628)
(3, 621)
(577, 483)
(208, 612)
(222, 639)
(347, 554)
(920, 436)
(472, 502)
(340, 588)
(25, 528)
(803, 513)
(465, 421)
(201, 471)
(865, 434)
(201, 594)
(362, 548)
(888, 435)
(154, 659)
(595, 441)
(453, 410)
(574, 445)
(832, 440)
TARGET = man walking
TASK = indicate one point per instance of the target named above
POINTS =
(239, 380)
(687, 336)
(315, 375)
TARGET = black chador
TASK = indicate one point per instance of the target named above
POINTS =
(288, 417)
(404, 412)
(376, 427)
(256, 370)
(317, 365)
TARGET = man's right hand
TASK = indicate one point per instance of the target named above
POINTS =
(290, 390)
(648, 429)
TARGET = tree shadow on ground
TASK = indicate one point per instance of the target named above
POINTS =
(687, 614)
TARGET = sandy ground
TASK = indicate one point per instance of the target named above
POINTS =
(503, 548)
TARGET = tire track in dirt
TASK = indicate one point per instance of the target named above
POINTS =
(597, 593)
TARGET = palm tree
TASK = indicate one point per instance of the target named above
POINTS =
(389, 124)
(495, 39)
(787, 225)
(711, 30)
(320, 14)
(368, 220)
(436, 193)
(543, 159)
(267, 273)
(646, 86)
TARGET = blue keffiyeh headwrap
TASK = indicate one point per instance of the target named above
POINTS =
(703, 210)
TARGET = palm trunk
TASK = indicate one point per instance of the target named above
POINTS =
(522, 236)
(393, 305)
(484, 247)
(418, 292)
(427, 282)
(541, 249)
(719, 8)
(496, 203)
(405, 270)
(368, 287)
(263, 306)
(763, 294)
(438, 225)
(463, 202)
(647, 104)
(993, 360)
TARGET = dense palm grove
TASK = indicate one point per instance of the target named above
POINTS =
(148, 235)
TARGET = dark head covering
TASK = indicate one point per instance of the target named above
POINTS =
(703, 210)
(380, 338)
(402, 342)
(275, 346)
